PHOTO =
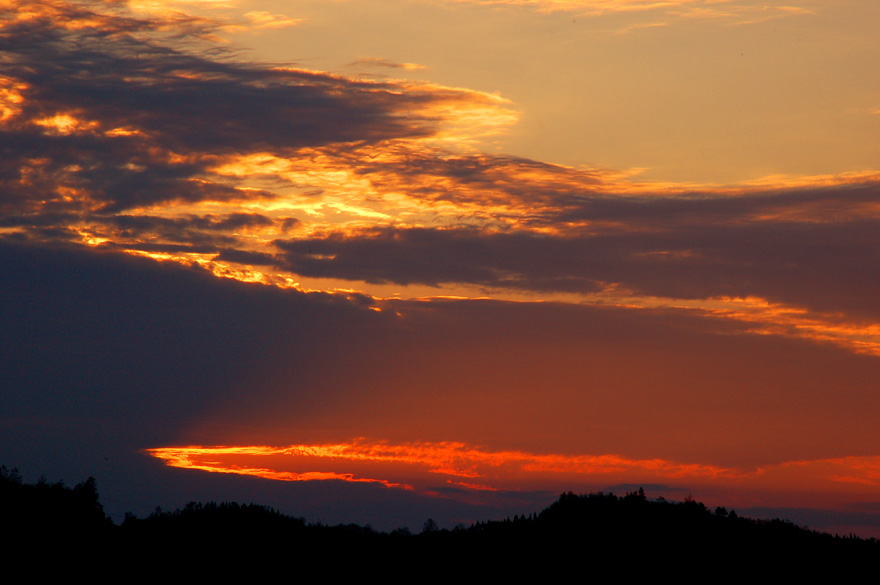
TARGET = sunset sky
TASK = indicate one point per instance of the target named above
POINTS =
(377, 261)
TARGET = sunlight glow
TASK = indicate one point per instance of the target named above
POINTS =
(456, 463)
(64, 124)
(10, 98)
(420, 465)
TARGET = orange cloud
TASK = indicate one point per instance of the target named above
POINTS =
(410, 464)
(420, 465)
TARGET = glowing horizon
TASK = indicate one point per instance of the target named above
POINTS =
(418, 466)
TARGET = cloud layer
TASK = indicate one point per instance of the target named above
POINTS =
(111, 137)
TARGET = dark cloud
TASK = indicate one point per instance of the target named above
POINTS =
(770, 205)
(497, 182)
(206, 229)
(173, 110)
(242, 257)
(790, 248)
(190, 102)
(540, 194)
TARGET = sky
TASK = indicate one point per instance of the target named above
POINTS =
(374, 262)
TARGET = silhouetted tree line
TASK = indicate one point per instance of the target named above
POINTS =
(578, 537)
(51, 508)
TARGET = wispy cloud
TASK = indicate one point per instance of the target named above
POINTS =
(456, 463)
(421, 465)
(728, 11)
(382, 62)
(263, 19)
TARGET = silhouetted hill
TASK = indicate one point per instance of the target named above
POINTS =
(578, 537)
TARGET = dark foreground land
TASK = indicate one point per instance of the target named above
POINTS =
(595, 537)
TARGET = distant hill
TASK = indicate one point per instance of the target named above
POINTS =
(578, 537)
